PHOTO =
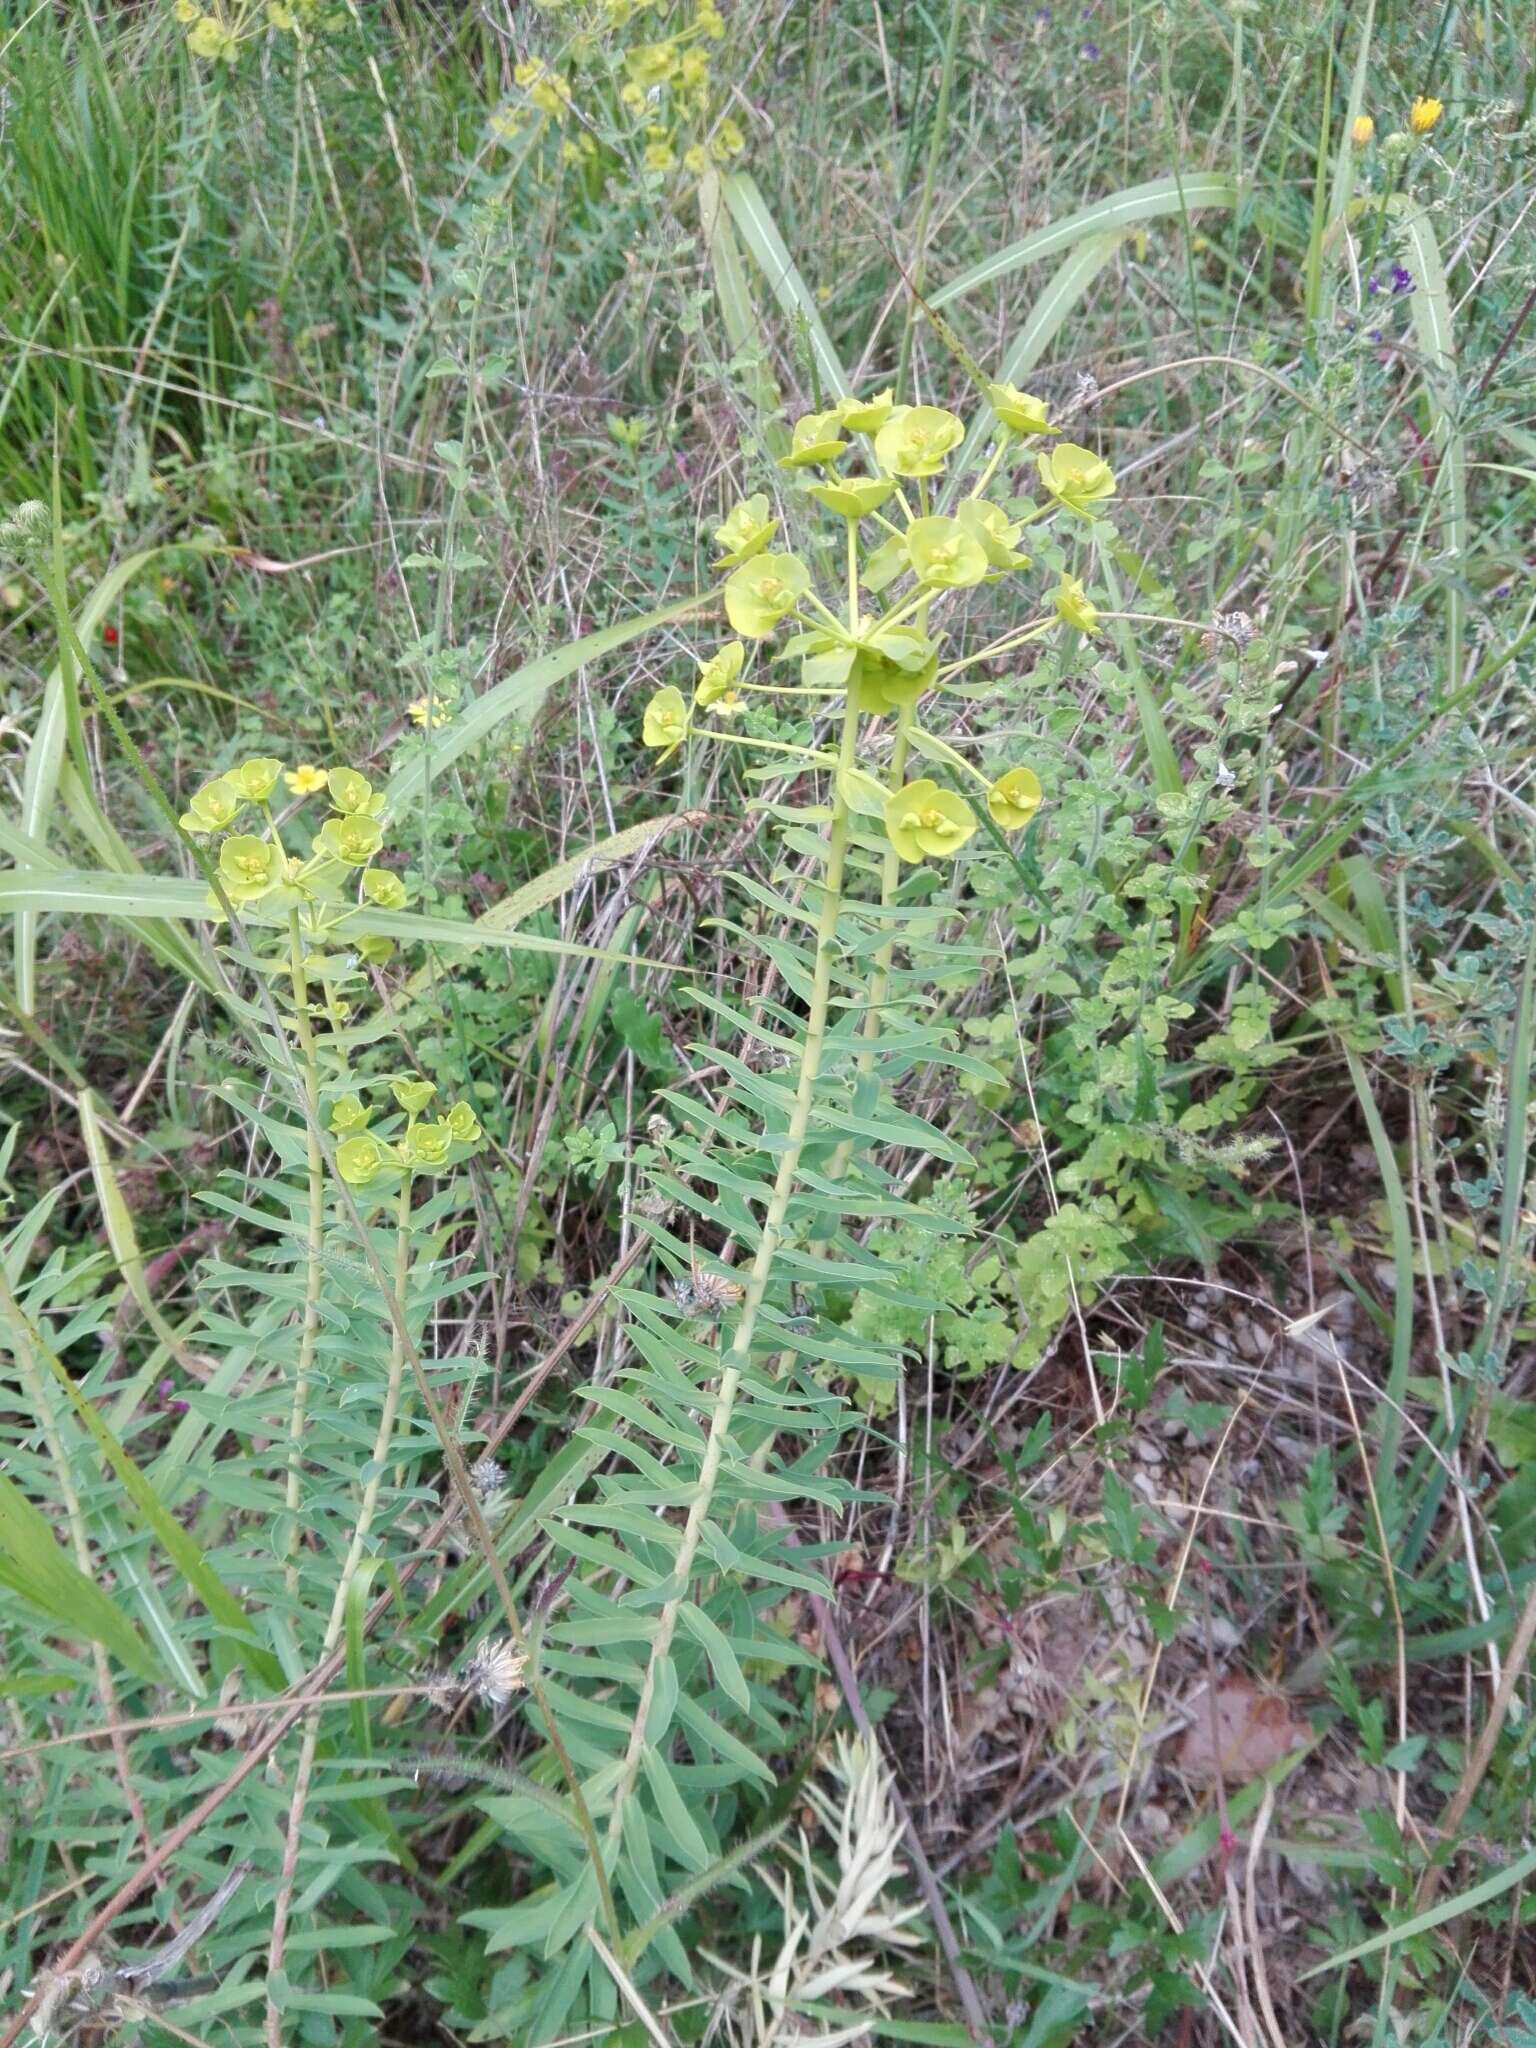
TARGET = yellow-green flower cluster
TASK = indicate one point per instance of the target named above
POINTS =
(913, 540)
(215, 33)
(426, 1145)
(666, 96)
(254, 865)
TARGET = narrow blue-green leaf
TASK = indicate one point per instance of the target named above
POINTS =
(1111, 215)
(520, 695)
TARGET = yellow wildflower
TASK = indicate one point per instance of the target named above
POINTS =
(305, 779)
(431, 711)
(1014, 798)
(1076, 476)
(759, 594)
(1073, 605)
(944, 555)
(1020, 411)
(1423, 114)
(746, 531)
(208, 38)
(728, 140)
(1361, 129)
(924, 819)
(651, 64)
(548, 91)
(666, 720)
(916, 438)
(718, 677)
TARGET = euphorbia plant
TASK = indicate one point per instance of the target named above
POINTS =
(662, 1655)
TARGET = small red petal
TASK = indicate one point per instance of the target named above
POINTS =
(109, 634)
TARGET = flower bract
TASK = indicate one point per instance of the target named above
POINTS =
(1076, 476)
(923, 821)
(1019, 411)
(1074, 606)
(944, 555)
(1014, 799)
(745, 532)
(916, 438)
(666, 719)
(818, 437)
(250, 867)
(760, 592)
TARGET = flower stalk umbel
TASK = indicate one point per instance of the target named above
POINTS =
(872, 656)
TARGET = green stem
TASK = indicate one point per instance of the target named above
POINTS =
(757, 1280)
(1003, 442)
(313, 1238)
(367, 1509)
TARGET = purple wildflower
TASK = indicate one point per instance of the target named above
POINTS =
(1090, 52)
(1373, 284)
(1402, 280)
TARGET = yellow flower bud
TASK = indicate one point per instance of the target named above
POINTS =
(1018, 411)
(1361, 129)
(718, 676)
(382, 888)
(745, 532)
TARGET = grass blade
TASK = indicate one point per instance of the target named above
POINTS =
(765, 245)
(520, 695)
(1113, 215)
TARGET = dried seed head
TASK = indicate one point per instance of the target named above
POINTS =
(658, 1130)
(443, 1691)
(1230, 632)
(655, 1207)
(494, 1672)
(487, 1477)
(1085, 392)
